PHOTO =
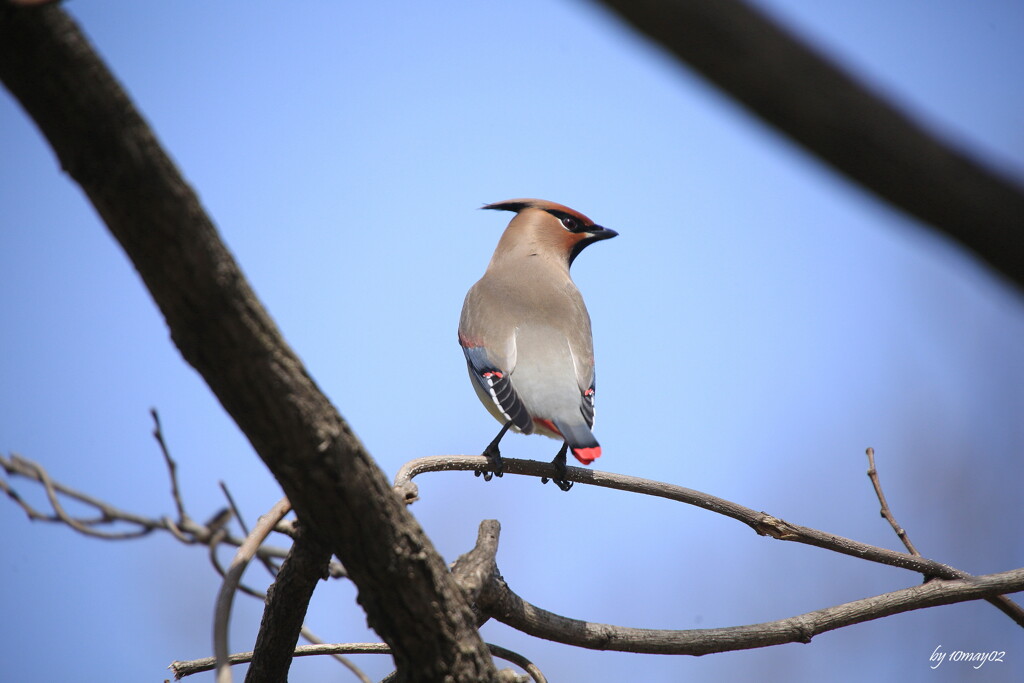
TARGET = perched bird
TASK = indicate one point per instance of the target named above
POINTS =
(526, 332)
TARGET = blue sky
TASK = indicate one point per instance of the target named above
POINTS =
(758, 323)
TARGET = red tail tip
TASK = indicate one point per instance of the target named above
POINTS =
(587, 455)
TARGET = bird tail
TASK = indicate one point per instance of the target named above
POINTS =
(581, 441)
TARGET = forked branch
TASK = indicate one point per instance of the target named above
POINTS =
(761, 522)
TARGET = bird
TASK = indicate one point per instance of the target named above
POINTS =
(526, 333)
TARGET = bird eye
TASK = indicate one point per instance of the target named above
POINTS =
(570, 223)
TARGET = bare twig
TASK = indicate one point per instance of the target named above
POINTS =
(172, 468)
(267, 562)
(349, 664)
(195, 666)
(762, 523)
(234, 508)
(225, 597)
(182, 669)
(885, 511)
(1005, 604)
(189, 533)
(27, 468)
(522, 662)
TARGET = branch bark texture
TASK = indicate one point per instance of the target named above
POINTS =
(507, 607)
(222, 330)
(818, 105)
(285, 610)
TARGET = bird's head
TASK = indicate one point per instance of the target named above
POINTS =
(546, 228)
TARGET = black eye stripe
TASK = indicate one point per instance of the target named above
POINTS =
(570, 223)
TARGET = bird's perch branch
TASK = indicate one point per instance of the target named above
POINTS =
(492, 596)
(761, 522)
(477, 575)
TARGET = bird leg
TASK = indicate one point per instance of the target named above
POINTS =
(494, 455)
(559, 463)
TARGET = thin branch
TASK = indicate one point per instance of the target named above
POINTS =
(234, 508)
(348, 663)
(172, 468)
(522, 662)
(1003, 603)
(244, 588)
(268, 563)
(27, 468)
(225, 597)
(182, 669)
(885, 511)
(762, 523)
(189, 533)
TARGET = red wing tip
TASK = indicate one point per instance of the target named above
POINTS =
(587, 455)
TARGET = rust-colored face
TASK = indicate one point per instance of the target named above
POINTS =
(559, 228)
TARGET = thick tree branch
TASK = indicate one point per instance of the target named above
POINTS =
(223, 331)
(286, 605)
(841, 121)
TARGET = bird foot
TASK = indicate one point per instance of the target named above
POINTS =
(560, 471)
(496, 463)
(560, 483)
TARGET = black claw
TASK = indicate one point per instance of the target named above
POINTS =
(494, 455)
(496, 463)
(560, 471)
(562, 484)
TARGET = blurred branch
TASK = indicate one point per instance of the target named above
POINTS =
(213, 534)
(761, 522)
(841, 121)
(224, 332)
(186, 530)
(233, 576)
(158, 434)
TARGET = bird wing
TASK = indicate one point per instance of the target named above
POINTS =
(497, 384)
(587, 405)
